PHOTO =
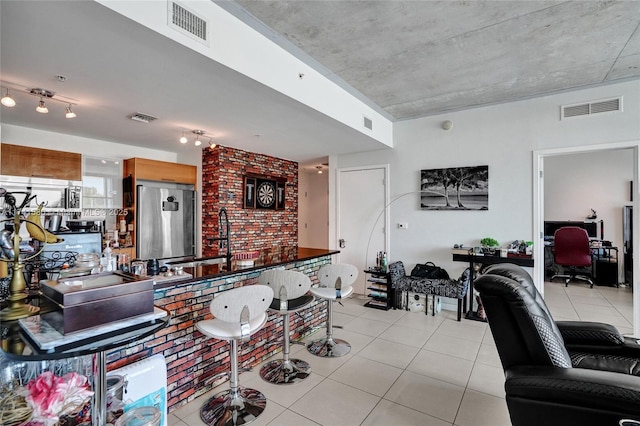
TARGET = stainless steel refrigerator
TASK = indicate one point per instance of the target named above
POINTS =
(165, 222)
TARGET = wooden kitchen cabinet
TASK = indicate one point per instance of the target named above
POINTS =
(161, 171)
(27, 161)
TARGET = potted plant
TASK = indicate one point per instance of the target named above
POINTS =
(489, 245)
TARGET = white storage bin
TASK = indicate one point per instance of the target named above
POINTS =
(417, 302)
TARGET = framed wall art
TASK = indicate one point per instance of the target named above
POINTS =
(455, 188)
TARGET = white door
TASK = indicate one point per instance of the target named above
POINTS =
(361, 218)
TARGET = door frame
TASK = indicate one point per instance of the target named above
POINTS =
(538, 212)
(384, 211)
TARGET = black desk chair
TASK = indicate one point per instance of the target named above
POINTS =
(572, 250)
(564, 373)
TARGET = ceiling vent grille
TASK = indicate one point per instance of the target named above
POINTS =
(368, 123)
(187, 22)
(143, 118)
(589, 108)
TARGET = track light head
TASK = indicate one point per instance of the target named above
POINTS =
(42, 107)
(69, 113)
(7, 100)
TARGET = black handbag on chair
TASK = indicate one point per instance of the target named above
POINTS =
(429, 270)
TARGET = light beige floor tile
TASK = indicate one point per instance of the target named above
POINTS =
(394, 354)
(174, 421)
(478, 409)
(568, 314)
(442, 367)
(458, 347)
(407, 336)
(420, 320)
(389, 413)
(615, 320)
(487, 379)
(289, 418)
(333, 403)
(351, 306)
(284, 395)
(430, 396)
(340, 319)
(392, 315)
(366, 326)
(488, 354)
(590, 300)
(323, 366)
(467, 330)
(367, 375)
(582, 308)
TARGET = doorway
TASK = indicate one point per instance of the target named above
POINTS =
(362, 220)
(633, 149)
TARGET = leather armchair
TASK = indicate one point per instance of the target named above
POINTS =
(564, 373)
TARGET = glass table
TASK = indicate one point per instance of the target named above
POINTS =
(32, 339)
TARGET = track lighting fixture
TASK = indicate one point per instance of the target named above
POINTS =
(7, 100)
(42, 107)
(69, 113)
(201, 136)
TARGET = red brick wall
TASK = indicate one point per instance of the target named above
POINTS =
(223, 170)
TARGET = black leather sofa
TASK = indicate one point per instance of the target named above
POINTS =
(557, 373)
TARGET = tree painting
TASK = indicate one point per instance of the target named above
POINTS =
(469, 186)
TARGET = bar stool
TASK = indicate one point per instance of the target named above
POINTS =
(290, 289)
(335, 283)
(238, 313)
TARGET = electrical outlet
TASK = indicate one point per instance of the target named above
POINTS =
(403, 225)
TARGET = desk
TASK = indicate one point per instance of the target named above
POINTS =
(19, 345)
(487, 260)
(604, 269)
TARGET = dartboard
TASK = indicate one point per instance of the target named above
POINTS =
(266, 194)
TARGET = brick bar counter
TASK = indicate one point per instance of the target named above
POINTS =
(190, 356)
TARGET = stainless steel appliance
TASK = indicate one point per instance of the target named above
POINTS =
(165, 222)
(58, 195)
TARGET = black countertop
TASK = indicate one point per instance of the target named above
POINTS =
(266, 258)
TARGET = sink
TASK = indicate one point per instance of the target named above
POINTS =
(199, 261)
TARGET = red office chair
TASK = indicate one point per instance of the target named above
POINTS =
(571, 247)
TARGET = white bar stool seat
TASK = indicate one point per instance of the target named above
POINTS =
(336, 282)
(238, 313)
(291, 294)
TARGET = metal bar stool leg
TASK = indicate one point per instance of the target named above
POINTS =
(285, 370)
(329, 347)
(235, 406)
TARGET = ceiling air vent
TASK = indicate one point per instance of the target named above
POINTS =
(143, 118)
(589, 108)
(187, 22)
(368, 123)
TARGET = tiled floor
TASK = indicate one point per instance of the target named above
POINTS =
(407, 368)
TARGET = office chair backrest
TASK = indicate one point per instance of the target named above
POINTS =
(571, 245)
(522, 327)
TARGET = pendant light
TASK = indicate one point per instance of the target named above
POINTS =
(183, 139)
(7, 100)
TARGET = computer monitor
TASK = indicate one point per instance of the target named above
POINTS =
(550, 227)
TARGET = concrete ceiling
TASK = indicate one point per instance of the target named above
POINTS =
(405, 58)
(418, 58)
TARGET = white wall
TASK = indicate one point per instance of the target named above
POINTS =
(577, 183)
(313, 212)
(27, 136)
(501, 136)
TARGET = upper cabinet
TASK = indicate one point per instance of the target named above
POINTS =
(161, 171)
(19, 160)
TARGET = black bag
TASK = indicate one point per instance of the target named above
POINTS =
(429, 270)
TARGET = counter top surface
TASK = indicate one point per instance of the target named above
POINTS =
(266, 258)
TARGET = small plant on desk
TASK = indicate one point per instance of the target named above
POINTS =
(489, 245)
